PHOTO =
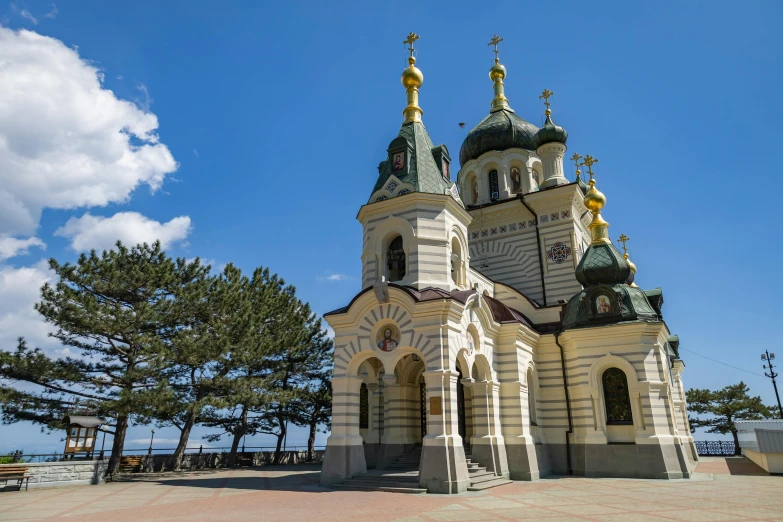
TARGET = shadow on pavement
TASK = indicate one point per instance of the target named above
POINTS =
(743, 466)
(301, 478)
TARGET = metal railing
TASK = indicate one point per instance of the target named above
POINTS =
(30, 458)
(714, 448)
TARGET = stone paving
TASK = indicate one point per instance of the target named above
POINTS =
(722, 489)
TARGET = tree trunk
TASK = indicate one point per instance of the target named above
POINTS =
(280, 437)
(183, 440)
(736, 442)
(311, 440)
(232, 456)
(118, 444)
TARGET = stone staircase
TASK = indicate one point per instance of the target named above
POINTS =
(402, 476)
(480, 478)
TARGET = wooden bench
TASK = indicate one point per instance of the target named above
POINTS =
(244, 460)
(17, 473)
(131, 463)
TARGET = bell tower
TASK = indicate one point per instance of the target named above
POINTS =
(414, 224)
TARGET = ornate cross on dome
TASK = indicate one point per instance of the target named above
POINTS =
(590, 161)
(409, 41)
(624, 239)
(495, 41)
(545, 95)
(575, 158)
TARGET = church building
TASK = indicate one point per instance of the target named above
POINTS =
(499, 334)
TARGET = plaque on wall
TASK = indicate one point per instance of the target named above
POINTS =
(436, 406)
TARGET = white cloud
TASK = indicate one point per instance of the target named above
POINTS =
(146, 102)
(101, 233)
(11, 246)
(65, 141)
(329, 332)
(333, 277)
(52, 12)
(20, 289)
(24, 13)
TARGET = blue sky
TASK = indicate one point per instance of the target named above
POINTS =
(256, 131)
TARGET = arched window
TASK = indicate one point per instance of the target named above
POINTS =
(456, 261)
(494, 191)
(364, 408)
(395, 259)
(616, 397)
(536, 180)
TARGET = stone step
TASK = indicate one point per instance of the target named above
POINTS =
(387, 478)
(411, 491)
(485, 478)
(381, 483)
(478, 474)
(499, 481)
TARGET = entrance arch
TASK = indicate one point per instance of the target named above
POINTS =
(392, 406)
(464, 400)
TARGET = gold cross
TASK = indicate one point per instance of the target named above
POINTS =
(590, 161)
(575, 158)
(545, 95)
(624, 239)
(411, 38)
(495, 41)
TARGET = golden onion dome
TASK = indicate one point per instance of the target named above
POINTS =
(594, 199)
(497, 72)
(412, 76)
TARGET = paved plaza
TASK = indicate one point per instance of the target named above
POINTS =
(723, 489)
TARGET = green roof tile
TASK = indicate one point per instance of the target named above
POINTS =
(422, 170)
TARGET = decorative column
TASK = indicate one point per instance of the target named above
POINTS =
(519, 443)
(372, 441)
(443, 467)
(487, 445)
(344, 455)
(394, 421)
(468, 396)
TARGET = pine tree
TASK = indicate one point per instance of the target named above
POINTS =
(300, 358)
(313, 408)
(201, 355)
(725, 406)
(248, 383)
(118, 312)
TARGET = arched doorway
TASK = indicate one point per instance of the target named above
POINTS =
(461, 424)
(464, 401)
(392, 409)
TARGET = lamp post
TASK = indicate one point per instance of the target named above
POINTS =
(769, 357)
(149, 451)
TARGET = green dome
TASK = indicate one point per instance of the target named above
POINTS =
(550, 133)
(500, 130)
(602, 264)
(626, 303)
